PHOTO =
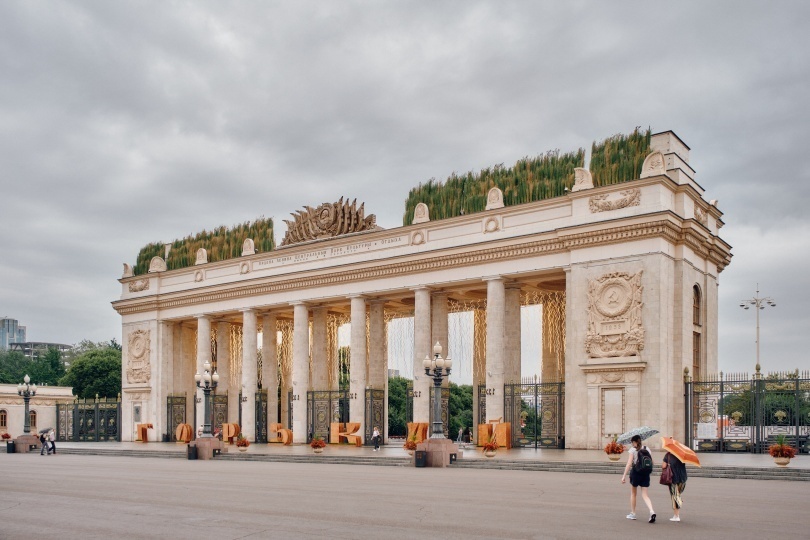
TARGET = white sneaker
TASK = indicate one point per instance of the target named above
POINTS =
(675, 518)
(631, 515)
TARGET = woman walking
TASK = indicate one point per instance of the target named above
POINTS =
(638, 478)
(376, 438)
(678, 482)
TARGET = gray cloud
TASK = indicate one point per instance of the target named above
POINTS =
(126, 123)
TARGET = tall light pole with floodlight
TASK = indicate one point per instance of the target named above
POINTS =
(438, 368)
(759, 303)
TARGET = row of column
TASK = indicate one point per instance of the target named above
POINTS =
(501, 358)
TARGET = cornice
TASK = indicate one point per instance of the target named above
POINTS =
(555, 242)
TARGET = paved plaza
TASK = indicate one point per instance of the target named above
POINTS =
(84, 496)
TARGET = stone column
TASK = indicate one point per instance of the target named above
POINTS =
(250, 376)
(512, 360)
(378, 362)
(224, 368)
(270, 367)
(320, 375)
(203, 356)
(496, 303)
(357, 363)
(300, 371)
(421, 348)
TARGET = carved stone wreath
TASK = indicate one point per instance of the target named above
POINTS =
(614, 316)
(138, 286)
(139, 369)
(630, 197)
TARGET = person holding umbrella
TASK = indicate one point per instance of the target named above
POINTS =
(638, 478)
(673, 471)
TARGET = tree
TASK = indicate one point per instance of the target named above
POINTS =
(95, 371)
(48, 368)
(13, 367)
(397, 405)
(461, 403)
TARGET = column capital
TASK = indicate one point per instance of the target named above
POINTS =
(248, 310)
(202, 316)
(358, 295)
(420, 288)
(492, 278)
(299, 303)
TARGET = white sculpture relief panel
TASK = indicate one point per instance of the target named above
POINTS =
(614, 316)
(629, 197)
(139, 368)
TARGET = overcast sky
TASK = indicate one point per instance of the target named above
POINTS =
(123, 123)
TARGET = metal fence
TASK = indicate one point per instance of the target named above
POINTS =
(89, 420)
(742, 413)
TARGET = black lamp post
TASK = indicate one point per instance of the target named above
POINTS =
(27, 391)
(438, 368)
(207, 381)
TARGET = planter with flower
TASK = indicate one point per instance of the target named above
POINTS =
(781, 452)
(6, 435)
(410, 445)
(317, 444)
(490, 447)
(242, 443)
(614, 449)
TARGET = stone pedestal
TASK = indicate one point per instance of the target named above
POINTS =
(206, 446)
(438, 451)
(23, 443)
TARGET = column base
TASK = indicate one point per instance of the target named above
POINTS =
(438, 451)
(23, 444)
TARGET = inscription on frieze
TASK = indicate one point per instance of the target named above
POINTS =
(327, 253)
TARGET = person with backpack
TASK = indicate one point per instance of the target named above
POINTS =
(640, 466)
(43, 441)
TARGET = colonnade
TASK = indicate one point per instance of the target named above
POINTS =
(313, 367)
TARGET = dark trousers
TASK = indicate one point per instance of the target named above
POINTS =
(52, 449)
(377, 442)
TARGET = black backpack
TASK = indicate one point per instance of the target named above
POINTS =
(644, 461)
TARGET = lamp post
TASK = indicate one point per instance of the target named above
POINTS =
(27, 391)
(207, 382)
(759, 303)
(437, 367)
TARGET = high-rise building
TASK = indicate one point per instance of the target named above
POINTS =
(10, 332)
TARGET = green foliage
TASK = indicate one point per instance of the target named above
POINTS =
(45, 368)
(530, 179)
(397, 404)
(619, 158)
(95, 371)
(221, 244)
(461, 404)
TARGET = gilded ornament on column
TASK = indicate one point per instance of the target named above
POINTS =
(614, 316)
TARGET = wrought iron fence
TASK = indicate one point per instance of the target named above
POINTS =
(175, 414)
(536, 411)
(375, 412)
(737, 412)
(323, 408)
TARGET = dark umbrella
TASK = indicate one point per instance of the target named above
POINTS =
(46, 430)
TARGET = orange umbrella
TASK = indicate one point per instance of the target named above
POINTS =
(680, 451)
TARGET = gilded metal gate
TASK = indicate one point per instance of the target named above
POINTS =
(219, 411)
(88, 420)
(536, 411)
(738, 413)
(323, 408)
(482, 403)
(445, 397)
(175, 414)
(375, 414)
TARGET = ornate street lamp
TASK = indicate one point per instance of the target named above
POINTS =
(207, 382)
(438, 368)
(27, 391)
(759, 303)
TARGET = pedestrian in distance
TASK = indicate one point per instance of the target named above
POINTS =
(676, 479)
(375, 436)
(52, 440)
(43, 443)
(639, 465)
(460, 434)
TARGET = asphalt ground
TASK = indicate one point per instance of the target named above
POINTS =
(87, 497)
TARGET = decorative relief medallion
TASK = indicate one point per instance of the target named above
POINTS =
(198, 276)
(157, 265)
(248, 247)
(494, 199)
(139, 369)
(418, 238)
(654, 165)
(582, 179)
(491, 225)
(138, 286)
(327, 221)
(244, 268)
(700, 216)
(614, 316)
(629, 197)
(421, 214)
